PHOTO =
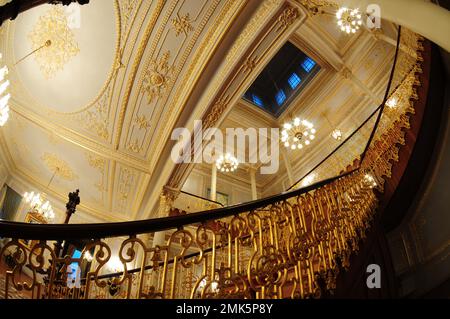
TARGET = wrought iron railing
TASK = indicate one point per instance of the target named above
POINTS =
(291, 245)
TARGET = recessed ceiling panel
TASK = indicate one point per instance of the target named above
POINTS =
(65, 54)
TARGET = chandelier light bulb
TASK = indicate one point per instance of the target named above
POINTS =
(337, 134)
(348, 20)
(392, 103)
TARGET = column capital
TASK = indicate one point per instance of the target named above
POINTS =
(166, 199)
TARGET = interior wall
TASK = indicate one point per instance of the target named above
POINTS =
(420, 245)
(198, 183)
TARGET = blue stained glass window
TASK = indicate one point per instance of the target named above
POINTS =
(280, 97)
(294, 80)
(308, 64)
(257, 100)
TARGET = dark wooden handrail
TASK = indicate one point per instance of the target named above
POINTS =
(106, 230)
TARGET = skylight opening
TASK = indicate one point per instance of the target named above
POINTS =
(294, 80)
(282, 79)
(280, 97)
(308, 64)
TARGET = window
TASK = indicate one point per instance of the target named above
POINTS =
(280, 97)
(294, 80)
(256, 99)
(308, 64)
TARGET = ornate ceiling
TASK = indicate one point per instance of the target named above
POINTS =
(132, 70)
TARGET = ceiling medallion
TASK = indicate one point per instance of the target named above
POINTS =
(157, 77)
(227, 163)
(53, 41)
(54, 163)
(4, 98)
(349, 20)
(297, 133)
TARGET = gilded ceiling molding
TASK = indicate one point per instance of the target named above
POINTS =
(57, 40)
(182, 24)
(262, 14)
(142, 121)
(127, 179)
(99, 164)
(58, 165)
(224, 21)
(128, 10)
(181, 63)
(233, 87)
(96, 119)
(315, 7)
(250, 64)
(134, 146)
(289, 15)
(134, 68)
(258, 19)
(158, 77)
(87, 117)
(81, 141)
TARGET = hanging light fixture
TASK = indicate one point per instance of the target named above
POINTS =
(297, 133)
(4, 98)
(392, 102)
(349, 20)
(337, 134)
(227, 163)
(38, 202)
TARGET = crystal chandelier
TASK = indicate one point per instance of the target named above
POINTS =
(39, 205)
(349, 20)
(227, 163)
(4, 98)
(297, 133)
(38, 202)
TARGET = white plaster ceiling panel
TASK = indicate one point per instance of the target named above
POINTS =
(377, 59)
(70, 73)
(164, 71)
(126, 193)
(38, 154)
(327, 25)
